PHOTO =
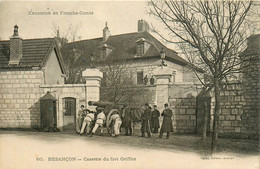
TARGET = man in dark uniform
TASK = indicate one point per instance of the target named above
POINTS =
(167, 121)
(121, 114)
(145, 80)
(127, 121)
(146, 118)
(155, 120)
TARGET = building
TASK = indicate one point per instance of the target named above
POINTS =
(29, 68)
(32, 70)
(139, 55)
(136, 55)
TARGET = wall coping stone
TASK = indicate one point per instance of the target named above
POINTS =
(62, 85)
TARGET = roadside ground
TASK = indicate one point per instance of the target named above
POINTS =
(29, 149)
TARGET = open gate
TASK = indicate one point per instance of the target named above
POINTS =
(69, 112)
(203, 107)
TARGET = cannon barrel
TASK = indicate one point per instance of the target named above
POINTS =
(99, 103)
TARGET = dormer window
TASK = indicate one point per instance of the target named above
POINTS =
(142, 46)
(140, 49)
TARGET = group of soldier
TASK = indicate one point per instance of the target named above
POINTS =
(88, 121)
(150, 121)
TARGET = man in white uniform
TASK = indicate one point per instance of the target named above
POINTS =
(116, 120)
(101, 117)
(87, 122)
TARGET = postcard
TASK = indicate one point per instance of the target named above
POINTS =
(129, 84)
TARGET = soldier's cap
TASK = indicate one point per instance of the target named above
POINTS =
(166, 104)
(146, 104)
(154, 106)
(82, 105)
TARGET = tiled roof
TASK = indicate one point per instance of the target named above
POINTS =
(35, 53)
(48, 96)
(124, 47)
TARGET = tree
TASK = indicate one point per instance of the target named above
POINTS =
(63, 36)
(211, 34)
(118, 85)
(69, 34)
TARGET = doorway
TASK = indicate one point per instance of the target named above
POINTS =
(203, 107)
(69, 113)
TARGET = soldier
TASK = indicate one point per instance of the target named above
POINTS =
(152, 80)
(146, 117)
(167, 121)
(145, 80)
(155, 120)
(87, 122)
(80, 117)
(122, 115)
(127, 121)
(101, 117)
(116, 122)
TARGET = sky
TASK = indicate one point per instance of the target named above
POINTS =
(121, 16)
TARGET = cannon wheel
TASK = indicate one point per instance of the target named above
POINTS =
(108, 118)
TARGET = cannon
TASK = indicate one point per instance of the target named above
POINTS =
(99, 103)
(109, 108)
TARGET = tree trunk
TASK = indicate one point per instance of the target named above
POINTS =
(205, 122)
(216, 116)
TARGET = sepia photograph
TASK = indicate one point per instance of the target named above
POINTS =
(123, 84)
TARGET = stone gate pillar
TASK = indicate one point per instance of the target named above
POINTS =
(163, 75)
(93, 79)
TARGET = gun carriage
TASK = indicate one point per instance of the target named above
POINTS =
(109, 108)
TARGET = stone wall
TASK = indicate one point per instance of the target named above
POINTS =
(240, 102)
(231, 109)
(19, 98)
(61, 91)
(184, 110)
(20, 94)
(239, 114)
(239, 111)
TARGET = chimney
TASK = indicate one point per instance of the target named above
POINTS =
(15, 47)
(106, 33)
(143, 26)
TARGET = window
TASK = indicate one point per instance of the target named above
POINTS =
(140, 77)
(140, 49)
(173, 76)
(69, 106)
(142, 45)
